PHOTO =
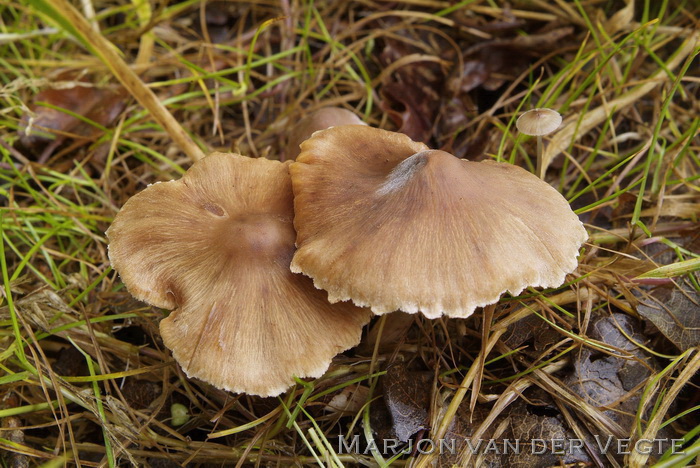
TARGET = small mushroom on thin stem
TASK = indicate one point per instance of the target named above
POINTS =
(320, 119)
(539, 122)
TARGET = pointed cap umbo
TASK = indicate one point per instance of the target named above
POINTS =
(215, 246)
(320, 119)
(390, 224)
(538, 122)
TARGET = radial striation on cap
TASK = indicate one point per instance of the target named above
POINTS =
(537, 122)
(215, 246)
(390, 224)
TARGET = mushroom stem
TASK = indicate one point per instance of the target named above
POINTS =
(540, 150)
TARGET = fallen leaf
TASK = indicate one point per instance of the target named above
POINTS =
(452, 124)
(521, 436)
(219, 19)
(407, 397)
(488, 63)
(608, 381)
(506, 21)
(51, 123)
(675, 312)
(410, 93)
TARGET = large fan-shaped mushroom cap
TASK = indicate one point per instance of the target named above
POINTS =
(216, 246)
(384, 221)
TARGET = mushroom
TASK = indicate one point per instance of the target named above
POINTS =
(318, 120)
(539, 122)
(393, 225)
(215, 246)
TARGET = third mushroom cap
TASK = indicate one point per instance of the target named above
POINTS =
(393, 225)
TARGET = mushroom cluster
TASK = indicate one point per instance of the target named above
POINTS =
(370, 215)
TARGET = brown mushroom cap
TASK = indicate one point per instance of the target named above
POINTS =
(216, 247)
(537, 122)
(384, 221)
(320, 119)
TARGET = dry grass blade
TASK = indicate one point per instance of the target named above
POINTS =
(109, 56)
(487, 317)
(687, 373)
(510, 394)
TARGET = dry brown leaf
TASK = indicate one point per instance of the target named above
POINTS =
(410, 93)
(407, 397)
(350, 400)
(675, 312)
(49, 127)
(610, 382)
(531, 426)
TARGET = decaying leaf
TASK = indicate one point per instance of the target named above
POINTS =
(410, 92)
(219, 18)
(452, 133)
(611, 380)
(531, 328)
(488, 63)
(407, 397)
(52, 122)
(675, 312)
(140, 393)
(526, 435)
